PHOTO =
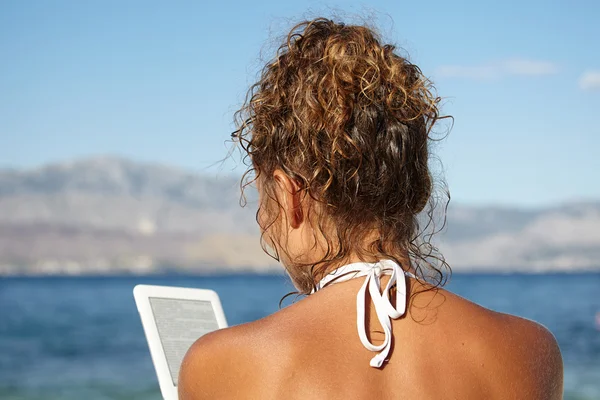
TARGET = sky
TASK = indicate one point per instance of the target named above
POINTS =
(159, 81)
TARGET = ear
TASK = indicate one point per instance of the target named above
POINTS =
(291, 198)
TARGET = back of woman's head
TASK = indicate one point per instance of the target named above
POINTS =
(349, 120)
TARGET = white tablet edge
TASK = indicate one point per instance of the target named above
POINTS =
(142, 293)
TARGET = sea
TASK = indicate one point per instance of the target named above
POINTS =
(81, 337)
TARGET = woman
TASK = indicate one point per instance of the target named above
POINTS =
(337, 131)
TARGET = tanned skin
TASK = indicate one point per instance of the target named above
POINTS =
(446, 347)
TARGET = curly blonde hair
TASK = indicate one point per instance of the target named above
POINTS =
(349, 120)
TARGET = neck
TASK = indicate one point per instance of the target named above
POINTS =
(328, 268)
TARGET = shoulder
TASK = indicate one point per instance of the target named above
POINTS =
(233, 362)
(521, 356)
(532, 357)
(512, 357)
(204, 363)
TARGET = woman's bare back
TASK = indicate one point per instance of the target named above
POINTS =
(445, 348)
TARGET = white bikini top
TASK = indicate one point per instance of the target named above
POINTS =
(381, 300)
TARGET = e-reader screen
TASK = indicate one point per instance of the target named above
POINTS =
(180, 323)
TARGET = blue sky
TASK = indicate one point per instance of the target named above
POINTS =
(159, 81)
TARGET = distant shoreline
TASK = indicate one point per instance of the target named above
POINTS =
(219, 275)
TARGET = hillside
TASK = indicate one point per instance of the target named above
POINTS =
(105, 215)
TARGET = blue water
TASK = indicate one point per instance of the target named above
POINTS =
(81, 338)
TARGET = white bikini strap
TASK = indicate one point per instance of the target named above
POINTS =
(381, 301)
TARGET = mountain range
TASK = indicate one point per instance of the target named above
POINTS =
(112, 215)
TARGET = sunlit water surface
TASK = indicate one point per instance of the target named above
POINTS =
(81, 338)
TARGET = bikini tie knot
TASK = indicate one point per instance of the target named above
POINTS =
(384, 308)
